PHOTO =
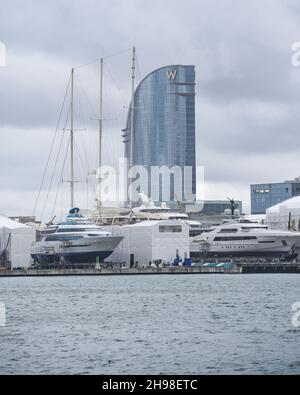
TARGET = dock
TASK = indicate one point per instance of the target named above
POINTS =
(119, 271)
(244, 268)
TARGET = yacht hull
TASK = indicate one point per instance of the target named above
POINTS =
(238, 254)
(285, 247)
(75, 251)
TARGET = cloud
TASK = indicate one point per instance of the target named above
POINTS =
(248, 93)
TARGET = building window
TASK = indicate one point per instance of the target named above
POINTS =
(170, 229)
(261, 191)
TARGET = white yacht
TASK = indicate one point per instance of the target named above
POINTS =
(245, 239)
(76, 240)
(148, 210)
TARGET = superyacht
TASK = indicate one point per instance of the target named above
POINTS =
(76, 240)
(245, 239)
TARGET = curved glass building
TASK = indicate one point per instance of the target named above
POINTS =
(164, 129)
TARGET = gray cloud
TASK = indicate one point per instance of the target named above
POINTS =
(248, 93)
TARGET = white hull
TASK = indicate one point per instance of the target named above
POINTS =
(251, 242)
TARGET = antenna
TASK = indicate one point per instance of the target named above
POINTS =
(72, 139)
(131, 125)
(100, 132)
(232, 205)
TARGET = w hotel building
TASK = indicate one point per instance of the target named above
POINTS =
(164, 129)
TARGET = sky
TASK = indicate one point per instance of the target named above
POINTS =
(247, 102)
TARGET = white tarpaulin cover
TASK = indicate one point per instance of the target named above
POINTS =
(277, 217)
(151, 240)
(20, 238)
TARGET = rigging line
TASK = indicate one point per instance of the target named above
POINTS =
(51, 148)
(80, 158)
(83, 140)
(111, 76)
(60, 179)
(87, 64)
(86, 95)
(138, 68)
(55, 165)
(81, 116)
(117, 53)
(104, 57)
(81, 171)
(83, 143)
(78, 116)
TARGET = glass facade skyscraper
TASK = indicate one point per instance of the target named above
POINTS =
(164, 128)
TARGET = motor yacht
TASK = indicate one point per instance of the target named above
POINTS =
(76, 240)
(245, 239)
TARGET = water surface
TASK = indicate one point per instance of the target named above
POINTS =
(187, 324)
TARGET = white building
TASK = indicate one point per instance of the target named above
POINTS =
(16, 238)
(150, 241)
(283, 214)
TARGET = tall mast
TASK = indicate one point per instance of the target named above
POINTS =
(72, 139)
(132, 122)
(100, 132)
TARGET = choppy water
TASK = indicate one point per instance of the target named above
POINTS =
(150, 324)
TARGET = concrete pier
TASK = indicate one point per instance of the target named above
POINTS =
(120, 271)
(238, 268)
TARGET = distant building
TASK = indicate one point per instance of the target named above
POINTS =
(219, 206)
(214, 212)
(26, 219)
(264, 196)
(164, 129)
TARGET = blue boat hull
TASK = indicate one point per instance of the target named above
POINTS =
(74, 258)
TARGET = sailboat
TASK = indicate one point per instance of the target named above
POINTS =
(77, 241)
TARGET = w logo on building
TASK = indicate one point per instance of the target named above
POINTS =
(172, 74)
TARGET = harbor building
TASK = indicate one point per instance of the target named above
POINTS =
(164, 131)
(150, 242)
(264, 196)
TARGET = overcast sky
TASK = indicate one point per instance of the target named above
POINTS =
(248, 92)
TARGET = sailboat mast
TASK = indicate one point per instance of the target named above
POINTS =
(132, 122)
(100, 131)
(72, 139)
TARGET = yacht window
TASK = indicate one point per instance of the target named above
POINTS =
(62, 238)
(170, 229)
(234, 238)
(266, 241)
(254, 227)
(226, 230)
(72, 230)
(284, 243)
